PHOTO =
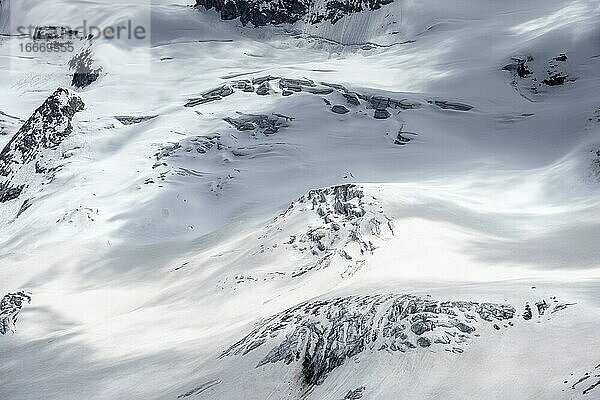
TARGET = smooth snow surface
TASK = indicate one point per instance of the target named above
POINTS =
(164, 235)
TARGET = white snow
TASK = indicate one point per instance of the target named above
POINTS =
(133, 285)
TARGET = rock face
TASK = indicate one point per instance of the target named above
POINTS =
(323, 334)
(10, 306)
(272, 12)
(82, 65)
(266, 124)
(261, 86)
(531, 78)
(350, 225)
(30, 151)
(595, 162)
(334, 228)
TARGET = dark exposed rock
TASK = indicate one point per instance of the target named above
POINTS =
(531, 81)
(319, 91)
(352, 98)
(244, 85)
(8, 193)
(355, 394)
(290, 86)
(263, 89)
(82, 65)
(129, 120)
(527, 315)
(519, 67)
(447, 105)
(262, 79)
(381, 102)
(53, 32)
(461, 326)
(10, 306)
(560, 57)
(420, 327)
(323, 334)
(267, 124)
(295, 85)
(272, 12)
(561, 306)
(200, 389)
(401, 140)
(556, 79)
(381, 114)
(41, 134)
(211, 95)
(339, 109)
(350, 220)
(542, 306)
(584, 381)
(336, 86)
(348, 224)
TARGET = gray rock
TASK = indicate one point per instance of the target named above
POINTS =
(351, 98)
(28, 150)
(10, 306)
(268, 124)
(542, 306)
(381, 114)
(464, 327)
(130, 120)
(323, 334)
(527, 315)
(263, 89)
(82, 65)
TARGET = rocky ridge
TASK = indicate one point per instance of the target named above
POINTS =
(10, 306)
(227, 146)
(589, 382)
(322, 334)
(31, 155)
(349, 224)
(533, 80)
(333, 228)
(83, 67)
(271, 12)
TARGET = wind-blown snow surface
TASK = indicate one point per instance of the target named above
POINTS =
(197, 239)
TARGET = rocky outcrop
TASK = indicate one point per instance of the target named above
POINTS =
(349, 225)
(134, 120)
(9, 123)
(10, 306)
(531, 80)
(265, 124)
(200, 389)
(595, 162)
(272, 85)
(588, 383)
(322, 334)
(82, 65)
(272, 12)
(32, 149)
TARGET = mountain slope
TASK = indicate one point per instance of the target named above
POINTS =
(306, 200)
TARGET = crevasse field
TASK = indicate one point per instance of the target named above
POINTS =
(351, 200)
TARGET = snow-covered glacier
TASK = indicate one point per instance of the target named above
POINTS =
(300, 199)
